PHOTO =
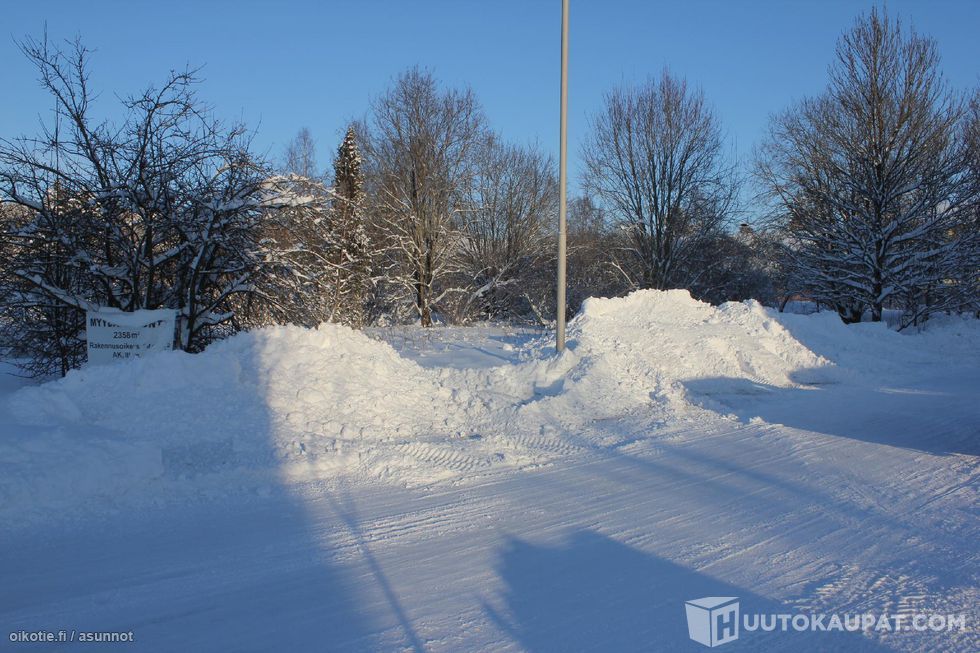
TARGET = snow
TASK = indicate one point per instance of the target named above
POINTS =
(468, 489)
(307, 404)
(477, 346)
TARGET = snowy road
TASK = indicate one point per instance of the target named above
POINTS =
(598, 554)
(855, 497)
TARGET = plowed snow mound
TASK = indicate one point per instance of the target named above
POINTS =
(287, 401)
(641, 349)
(296, 404)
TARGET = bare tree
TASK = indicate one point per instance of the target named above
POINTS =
(654, 161)
(869, 180)
(592, 240)
(319, 251)
(300, 156)
(506, 233)
(298, 245)
(160, 211)
(735, 267)
(971, 138)
(420, 151)
(969, 279)
(39, 330)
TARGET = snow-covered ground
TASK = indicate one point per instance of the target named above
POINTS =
(467, 489)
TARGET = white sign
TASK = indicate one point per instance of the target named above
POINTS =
(114, 335)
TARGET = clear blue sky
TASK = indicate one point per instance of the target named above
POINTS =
(281, 66)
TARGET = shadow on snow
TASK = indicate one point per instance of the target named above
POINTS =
(592, 593)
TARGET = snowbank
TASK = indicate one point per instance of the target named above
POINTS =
(285, 405)
(288, 400)
(626, 352)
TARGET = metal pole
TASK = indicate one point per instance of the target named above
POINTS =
(562, 182)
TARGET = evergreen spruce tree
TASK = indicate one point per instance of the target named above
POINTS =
(352, 260)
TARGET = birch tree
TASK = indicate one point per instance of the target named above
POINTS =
(420, 147)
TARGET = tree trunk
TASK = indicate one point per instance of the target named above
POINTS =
(849, 313)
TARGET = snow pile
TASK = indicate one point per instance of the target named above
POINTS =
(627, 352)
(297, 402)
(287, 405)
(873, 351)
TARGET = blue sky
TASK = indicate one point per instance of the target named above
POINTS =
(282, 66)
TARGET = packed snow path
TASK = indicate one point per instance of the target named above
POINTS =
(854, 491)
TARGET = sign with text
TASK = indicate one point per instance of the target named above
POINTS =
(114, 335)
